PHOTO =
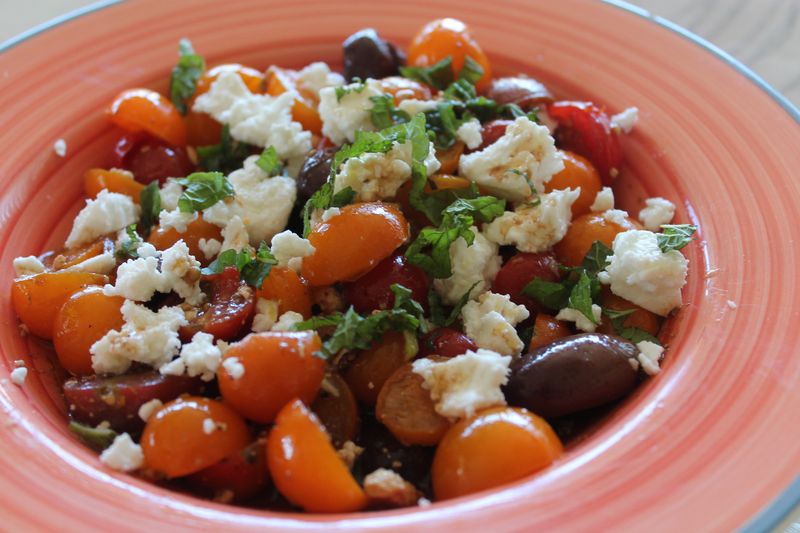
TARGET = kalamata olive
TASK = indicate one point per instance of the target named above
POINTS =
(521, 90)
(492, 131)
(315, 171)
(150, 159)
(447, 342)
(572, 374)
(366, 55)
(373, 290)
(520, 270)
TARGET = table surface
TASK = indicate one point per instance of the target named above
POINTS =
(763, 34)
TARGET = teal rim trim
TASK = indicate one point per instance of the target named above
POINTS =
(789, 499)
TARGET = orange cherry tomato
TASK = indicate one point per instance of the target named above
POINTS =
(547, 329)
(83, 320)
(178, 441)
(278, 366)
(582, 233)
(73, 256)
(145, 110)
(578, 172)
(640, 318)
(38, 298)
(195, 230)
(97, 179)
(463, 463)
(252, 78)
(448, 159)
(291, 292)
(305, 467)
(350, 244)
(448, 37)
(202, 129)
(405, 89)
(373, 366)
(304, 110)
(445, 181)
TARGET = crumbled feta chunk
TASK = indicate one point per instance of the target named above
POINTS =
(617, 216)
(525, 155)
(470, 133)
(60, 147)
(342, 118)
(412, 106)
(316, 76)
(176, 219)
(287, 321)
(349, 452)
(535, 228)
(123, 454)
(200, 357)
(181, 273)
(108, 213)
(234, 367)
(234, 235)
(603, 201)
(387, 488)
(626, 120)
(27, 266)
(137, 279)
(478, 263)
(465, 384)
(147, 250)
(266, 315)
(258, 119)
(658, 211)
(490, 321)
(290, 249)
(330, 213)
(641, 273)
(170, 194)
(378, 176)
(649, 355)
(18, 375)
(209, 426)
(146, 337)
(210, 247)
(147, 409)
(581, 321)
(103, 263)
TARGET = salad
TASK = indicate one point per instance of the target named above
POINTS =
(331, 292)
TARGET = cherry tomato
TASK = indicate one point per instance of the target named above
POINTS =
(373, 290)
(74, 256)
(449, 159)
(178, 440)
(252, 78)
(97, 179)
(492, 131)
(291, 292)
(195, 231)
(520, 270)
(243, 473)
(145, 110)
(582, 233)
(373, 366)
(149, 159)
(546, 329)
(229, 310)
(585, 129)
(304, 110)
(445, 342)
(578, 172)
(463, 463)
(405, 89)
(337, 409)
(640, 318)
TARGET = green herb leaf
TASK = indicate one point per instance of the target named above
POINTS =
(675, 236)
(225, 157)
(322, 199)
(438, 76)
(439, 315)
(252, 270)
(404, 302)
(127, 248)
(618, 317)
(150, 201)
(550, 294)
(383, 113)
(636, 335)
(357, 86)
(183, 81)
(97, 439)
(202, 190)
(596, 258)
(580, 297)
(269, 162)
(471, 71)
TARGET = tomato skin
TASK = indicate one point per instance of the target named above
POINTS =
(145, 110)
(577, 172)
(338, 412)
(304, 110)
(253, 79)
(97, 179)
(289, 289)
(244, 473)
(196, 230)
(586, 130)
(373, 290)
(546, 329)
(230, 309)
(373, 366)
(493, 130)
(445, 342)
(150, 159)
(520, 270)
(583, 232)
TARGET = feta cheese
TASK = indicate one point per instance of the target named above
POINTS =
(649, 355)
(258, 119)
(626, 120)
(603, 201)
(108, 213)
(478, 263)
(330, 213)
(234, 367)
(465, 384)
(146, 337)
(234, 235)
(27, 266)
(581, 322)
(209, 426)
(342, 118)
(181, 273)
(290, 249)
(147, 409)
(210, 247)
(658, 211)
(266, 315)
(535, 228)
(18, 376)
(490, 322)
(641, 273)
(412, 106)
(470, 133)
(103, 263)
(170, 194)
(123, 454)
(287, 321)
(316, 76)
(200, 357)
(176, 219)
(525, 153)
(137, 279)
(378, 176)
(617, 216)
(60, 147)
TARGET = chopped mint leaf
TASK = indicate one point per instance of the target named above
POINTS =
(322, 199)
(127, 248)
(439, 315)
(268, 162)
(358, 87)
(580, 297)
(183, 80)
(97, 439)
(553, 295)
(471, 71)
(675, 236)
(439, 76)
(202, 190)
(383, 113)
(596, 258)
(150, 201)
(225, 157)
(252, 270)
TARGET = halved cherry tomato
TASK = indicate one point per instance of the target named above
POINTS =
(350, 244)
(578, 172)
(150, 159)
(38, 298)
(445, 342)
(97, 179)
(373, 290)
(291, 292)
(520, 270)
(305, 467)
(448, 37)
(547, 329)
(202, 129)
(145, 110)
(74, 256)
(304, 110)
(405, 89)
(586, 129)
(448, 159)
(229, 311)
(337, 409)
(177, 441)
(243, 473)
(278, 366)
(524, 443)
(83, 320)
(197, 229)
(492, 131)
(251, 77)
(582, 233)
(640, 318)
(373, 366)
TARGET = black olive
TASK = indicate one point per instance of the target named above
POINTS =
(366, 55)
(314, 173)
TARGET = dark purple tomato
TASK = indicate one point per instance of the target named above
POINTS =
(520, 270)
(150, 159)
(446, 342)
(373, 290)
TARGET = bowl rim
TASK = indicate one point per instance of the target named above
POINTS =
(788, 499)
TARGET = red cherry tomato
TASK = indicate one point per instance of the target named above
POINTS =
(150, 159)
(586, 130)
(520, 270)
(243, 473)
(229, 311)
(373, 289)
(492, 131)
(446, 342)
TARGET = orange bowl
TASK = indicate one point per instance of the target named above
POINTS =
(704, 446)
